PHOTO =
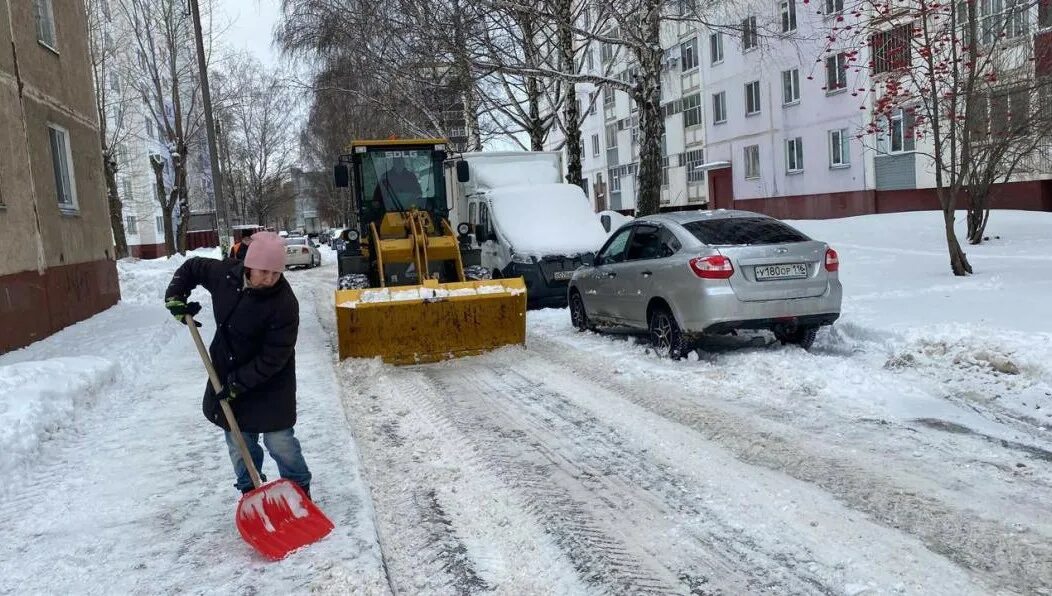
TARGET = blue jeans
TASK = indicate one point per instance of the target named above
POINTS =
(283, 447)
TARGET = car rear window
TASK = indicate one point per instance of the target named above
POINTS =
(743, 230)
(295, 241)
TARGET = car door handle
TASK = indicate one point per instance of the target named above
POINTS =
(610, 274)
(646, 273)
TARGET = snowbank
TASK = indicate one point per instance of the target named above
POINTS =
(143, 281)
(40, 399)
(546, 219)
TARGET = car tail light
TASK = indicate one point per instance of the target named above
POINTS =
(714, 267)
(832, 260)
(307, 250)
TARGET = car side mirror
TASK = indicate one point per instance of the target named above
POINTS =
(463, 174)
(341, 175)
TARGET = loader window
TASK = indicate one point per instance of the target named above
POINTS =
(399, 179)
(472, 214)
(484, 222)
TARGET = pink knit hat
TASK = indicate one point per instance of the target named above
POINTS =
(266, 252)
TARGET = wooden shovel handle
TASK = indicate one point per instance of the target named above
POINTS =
(217, 386)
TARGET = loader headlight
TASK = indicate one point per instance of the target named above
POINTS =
(352, 235)
(463, 228)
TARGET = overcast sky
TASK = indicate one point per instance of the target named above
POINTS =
(251, 27)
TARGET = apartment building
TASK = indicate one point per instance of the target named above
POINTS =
(765, 112)
(58, 262)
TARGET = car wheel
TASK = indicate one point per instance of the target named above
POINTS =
(578, 315)
(802, 336)
(665, 334)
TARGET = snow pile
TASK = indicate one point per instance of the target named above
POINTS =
(40, 399)
(144, 281)
(498, 171)
(424, 293)
(546, 219)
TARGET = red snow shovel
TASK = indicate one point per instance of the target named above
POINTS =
(276, 518)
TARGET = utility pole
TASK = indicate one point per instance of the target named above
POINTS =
(213, 153)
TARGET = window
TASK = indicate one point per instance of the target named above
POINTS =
(752, 98)
(695, 159)
(897, 135)
(743, 230)
(606, 52)
(62, 163)
(130, 225)
(838, 149)
(615, 180)
(473, 213)
(891, 49)
(688, 54)
(836, 72)
(1044, 13)
(590, 56)
(794, 155)
(611, 136)
(1016, 21)
(45, 18)
(1009, 112)
(749, 36)
(127, 188)
(652, 242)
(719, 107)
(160, 224)
(752, 161)
(608, 97)
(595, 145)
(692, 110)
(834, 6)
(788, 16)
(149, 128)
(484, 222)
(716, 47)
(115, 82)
(790, 86)
(614, 251)
(1003, 16)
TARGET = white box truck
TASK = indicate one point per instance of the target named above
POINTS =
(516, 209)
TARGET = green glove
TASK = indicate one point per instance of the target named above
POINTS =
(180, 309)
(232, 389)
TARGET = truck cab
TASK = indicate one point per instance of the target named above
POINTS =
(514, 208)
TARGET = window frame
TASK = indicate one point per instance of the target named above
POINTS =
(787, 9)
(831, 8)
(839, 62)
(131, 225)
(750, 35)
(752, 166)
(719, 108)
(886, 141)
(794, 155)
(689, 49)
(842, 159)
(752, 86)
(159, 221)
(595, 146)
(794, 86)
(693, 115)
(73, 205)
(694, 158)
(716, 48)
(45, 20)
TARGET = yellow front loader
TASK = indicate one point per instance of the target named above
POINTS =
(412, 302)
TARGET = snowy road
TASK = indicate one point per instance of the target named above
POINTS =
(894, 458)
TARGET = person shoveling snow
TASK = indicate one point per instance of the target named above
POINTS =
(257, 320)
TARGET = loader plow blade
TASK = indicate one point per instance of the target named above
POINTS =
(277, 518)
(431, 322)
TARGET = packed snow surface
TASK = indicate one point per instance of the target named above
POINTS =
(546, 219)
(909, 452)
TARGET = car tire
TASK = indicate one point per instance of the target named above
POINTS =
(665, 335)
(578, 314)
(802, 336)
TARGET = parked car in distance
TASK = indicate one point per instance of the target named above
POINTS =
(301, 252)
(682, 275)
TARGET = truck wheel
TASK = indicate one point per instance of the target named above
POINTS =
(578, 315)
(802, 336)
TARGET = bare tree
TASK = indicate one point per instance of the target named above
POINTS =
(112, 107)
(262, 129)
(168, 83)
(956, 82)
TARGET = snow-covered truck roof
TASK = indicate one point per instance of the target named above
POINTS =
(542, 220)
(499, 169)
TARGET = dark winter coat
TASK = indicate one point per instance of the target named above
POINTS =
(254, 348)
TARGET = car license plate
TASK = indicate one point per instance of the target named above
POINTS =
(562, 275)
(788, 271)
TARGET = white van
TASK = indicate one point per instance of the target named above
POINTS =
(524, 219)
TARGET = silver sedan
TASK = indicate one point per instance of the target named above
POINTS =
(686, 274)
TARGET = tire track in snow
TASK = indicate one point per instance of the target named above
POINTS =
(1009, 557)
